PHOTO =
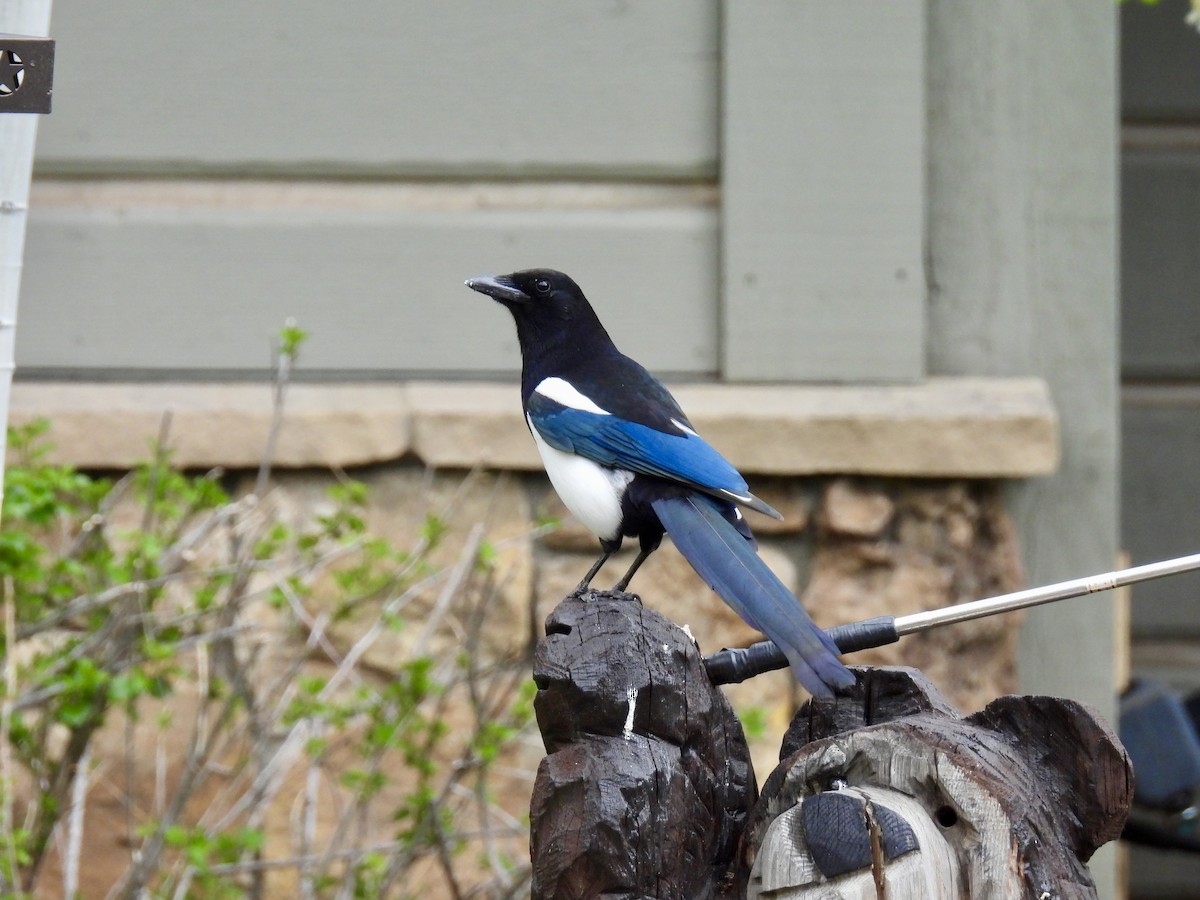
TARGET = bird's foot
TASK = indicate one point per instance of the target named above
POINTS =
(622, 588)
(587, 592)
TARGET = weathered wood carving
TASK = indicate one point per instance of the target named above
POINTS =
(647, 784)
(888, 791)
(647, 788)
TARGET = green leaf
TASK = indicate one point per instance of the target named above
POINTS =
(754, 722)
(291, 339)
(127, 685)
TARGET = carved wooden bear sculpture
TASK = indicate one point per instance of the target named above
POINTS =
(886, 791)
(889, 792)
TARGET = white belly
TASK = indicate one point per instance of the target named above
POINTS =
(590, 491)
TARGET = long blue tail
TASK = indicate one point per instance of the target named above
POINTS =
(728, 563)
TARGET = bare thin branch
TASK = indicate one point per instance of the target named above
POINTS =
(71, 855)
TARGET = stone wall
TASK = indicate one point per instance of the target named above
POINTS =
(851, 547)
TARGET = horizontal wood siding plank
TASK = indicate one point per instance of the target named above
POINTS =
(203, 290)
(387, 87)
(823, 180)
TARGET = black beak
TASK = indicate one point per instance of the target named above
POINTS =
(499, 287)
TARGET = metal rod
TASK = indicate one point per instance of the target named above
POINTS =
(989, 606)
(730, 666)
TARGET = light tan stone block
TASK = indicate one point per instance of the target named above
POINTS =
(112, 426)
(793, 498)
(855, 510)
(467, 425)
(942, 427)
(954, 427)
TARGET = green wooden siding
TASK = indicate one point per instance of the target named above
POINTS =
(824, 195)
(200, 290)
(819, 107)
(455, 88)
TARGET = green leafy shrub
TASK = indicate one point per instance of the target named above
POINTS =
(140, 602)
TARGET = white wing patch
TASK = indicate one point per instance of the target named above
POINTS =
(737, 498)
(683, 427)
(564, 393)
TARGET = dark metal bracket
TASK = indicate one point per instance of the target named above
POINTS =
(26, 74)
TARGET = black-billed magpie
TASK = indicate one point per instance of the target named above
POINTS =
(627, 463)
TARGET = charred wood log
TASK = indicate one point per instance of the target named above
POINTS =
(647, 782)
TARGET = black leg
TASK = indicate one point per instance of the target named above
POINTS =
(647, 546)
(587, 579)
(608, 548)
(624, 582)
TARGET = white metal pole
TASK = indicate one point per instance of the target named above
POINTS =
(729, 666)
(990, 606)
(18, 132)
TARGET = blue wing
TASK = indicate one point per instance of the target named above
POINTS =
(612, 441)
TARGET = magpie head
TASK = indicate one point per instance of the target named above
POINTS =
(532, 293)
(552, 315)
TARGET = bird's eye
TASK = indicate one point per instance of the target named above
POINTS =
(542, 286)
